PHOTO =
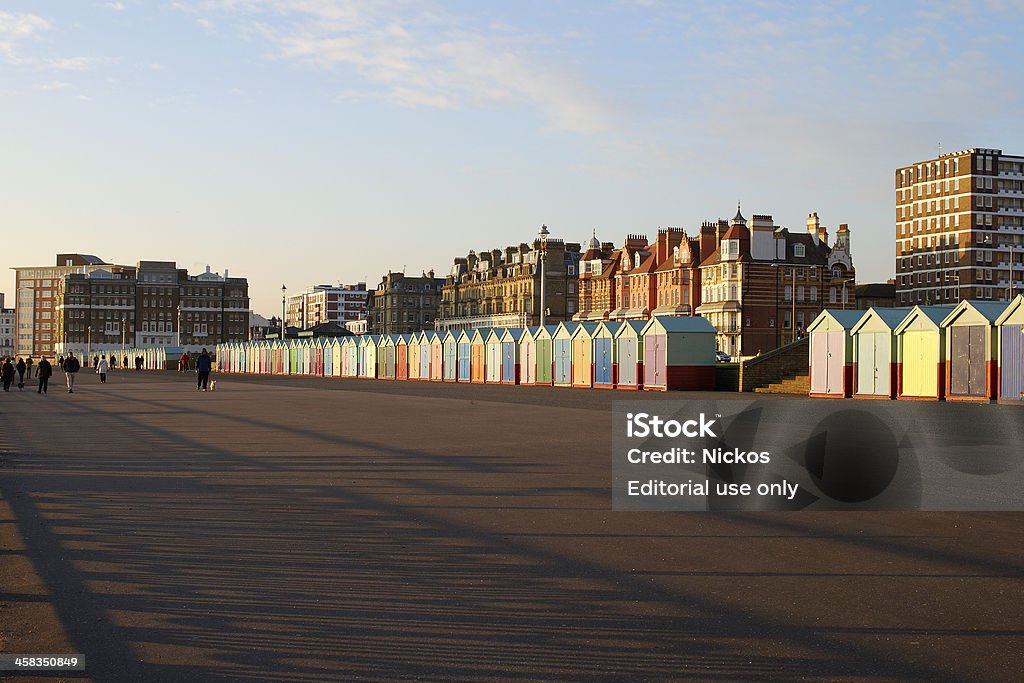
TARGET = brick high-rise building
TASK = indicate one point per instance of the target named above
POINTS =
(960, 228)
(91, 304)
(321, 304)
(35, 300)
(7, 329)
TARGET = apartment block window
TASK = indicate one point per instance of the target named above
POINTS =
(787, 293)
(800, 294)
(832, 295)
(814, 293)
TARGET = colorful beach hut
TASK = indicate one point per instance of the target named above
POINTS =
(971, 351)
(369, 352)
(875, 370)
(510, 359)
(423, 356)
(1010, 326)
(528, 356)
(478, 355)
(402, 356)
(436, 360)
(921, 342)
(679, 353)
(583, 355)
(413, 358)
(451, 356)
(561, 354)
(831, 353)
(493, 356)
(605, 367)
(386, 354)
(465, 357)
(629, 355)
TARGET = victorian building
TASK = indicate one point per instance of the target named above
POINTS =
(502, 288)
(763, 284)
(402, 304)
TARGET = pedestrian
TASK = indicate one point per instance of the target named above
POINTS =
(203, 366)
(60, 362)
(138, 362)
(71, 368)
(113, 362)
(21, 367)
(7, 373)
(125, 360)
(101, 369)
(43, 372)
(28, 367)
(95, 361)
(183, 362)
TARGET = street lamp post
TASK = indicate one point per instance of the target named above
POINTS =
(543, 276)
(122, 335)
(284, 290)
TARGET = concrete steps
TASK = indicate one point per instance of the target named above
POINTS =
(800, 384)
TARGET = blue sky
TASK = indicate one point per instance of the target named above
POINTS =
(306, 141)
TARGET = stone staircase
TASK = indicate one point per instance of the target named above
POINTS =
(780, 371)
(798, 384)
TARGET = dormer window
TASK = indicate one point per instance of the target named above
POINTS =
(636, 261)
(799, 251)
(731, 248)
(675, 254)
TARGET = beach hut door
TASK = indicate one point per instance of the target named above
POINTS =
(1011, 357)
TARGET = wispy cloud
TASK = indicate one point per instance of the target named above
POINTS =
(416, 56)
(116, 6)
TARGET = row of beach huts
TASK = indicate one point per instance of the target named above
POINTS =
(973, 351)
(662, 353)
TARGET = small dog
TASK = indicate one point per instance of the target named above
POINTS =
(213, 385)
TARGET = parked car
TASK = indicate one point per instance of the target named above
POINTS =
(723, 357)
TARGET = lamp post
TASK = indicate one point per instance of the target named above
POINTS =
(122, 335)
(284, 290)
(543, 276)
(177, 332)
(88, 344)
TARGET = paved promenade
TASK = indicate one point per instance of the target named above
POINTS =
(340, 530)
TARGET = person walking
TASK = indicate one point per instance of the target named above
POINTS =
(71, 368)
(20, 367)
(60, 362)
(183, 362)
(43, 372)
(203, 366)
(101, 369)
(28, 367)
(7, 373)
(125, 359)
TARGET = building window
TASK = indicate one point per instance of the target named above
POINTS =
(799, 251)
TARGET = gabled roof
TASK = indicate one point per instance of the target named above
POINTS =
(681, 323)
(846, 319)
(1016, 303)
(613, 326)
(934, 314)
(892, 317)
(587, 328)
(637, 326)
(514, 333)
(990, 310)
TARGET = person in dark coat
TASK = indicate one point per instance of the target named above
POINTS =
(7, 373)
(28, 367)
(71, 368)
(20, 367)
(125, 361)
(60, 362)
(203, 366)
(43, 372)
